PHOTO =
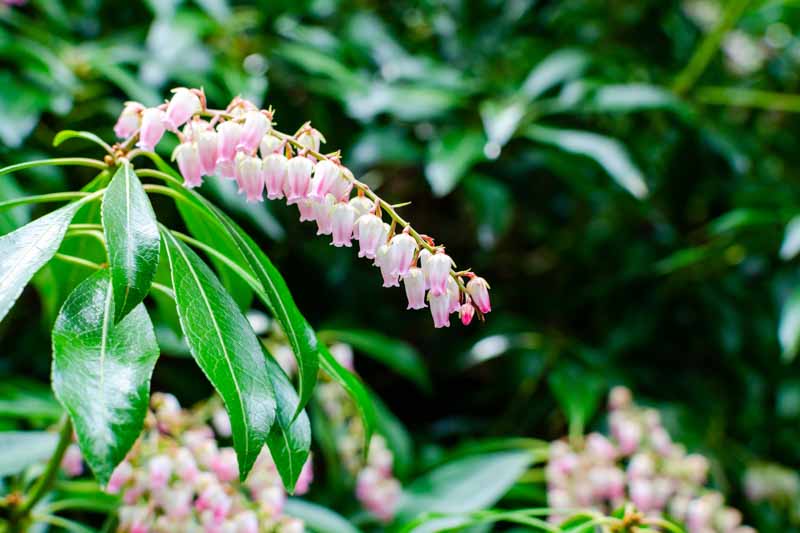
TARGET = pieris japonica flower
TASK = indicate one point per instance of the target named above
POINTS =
(189, 164)
(325, 174)
(414, 283)
(440, 309)
(362, 205)
(207, 149)
(311, 139)
(270, 145)
(255, 126)
(478, 289)
(323, 214)
(344, 217)
(72, 463)
(128, 121)
(436, 268)
(466, 312)
(229, 134)
(372, 232)
(402, 250)
(275, 169)
(384, 261)
(298, 178)
(152, 128)
(306, 208)
(183, 104)
(250, 177)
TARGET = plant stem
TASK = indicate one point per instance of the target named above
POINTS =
(733, 96)
(77, 261)
(59, 161)
(45, 481)
(708, 47)
(42, 198)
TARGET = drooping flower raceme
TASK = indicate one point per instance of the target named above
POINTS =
(240, 143)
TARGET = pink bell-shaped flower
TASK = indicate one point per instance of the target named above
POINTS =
(437, 270)
(414, 283)
(270, 145)
(181, 107)
(479, 290)
(403, 247)
(306, 208)
(342, 185)
(275, 169)
(152, 129)
(344, 218)
(159, 469)
(207, 148)
(129, 119)
(325, 173)
(250, 177)
(323, 214)
(466, 312)
(372, 233)
(440, 310)
(383, 261)
(256, 124)
(424, 255)
(189, 164)
(297, 179)
(455, 294)
(311, 139)
(229, 134)
(362, 205)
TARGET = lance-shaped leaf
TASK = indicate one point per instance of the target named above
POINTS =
(24, 251)
(101, 371)
(290, 438)
(226, 349)
(132, 239)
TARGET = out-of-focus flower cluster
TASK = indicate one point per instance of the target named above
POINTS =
(240, 143)
(177, 478)
(639, 463)
(773, 483)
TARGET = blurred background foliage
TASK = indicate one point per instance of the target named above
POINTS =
(623, 173)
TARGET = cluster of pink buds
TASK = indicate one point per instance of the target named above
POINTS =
(637, 463)
(240, 143)
(177, 478)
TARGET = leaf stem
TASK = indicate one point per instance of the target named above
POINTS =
(78, 261)
(58, 161)
(42, 198)
(738, 97)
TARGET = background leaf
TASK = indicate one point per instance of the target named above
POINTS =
(24, 448)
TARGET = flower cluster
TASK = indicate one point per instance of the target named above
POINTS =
(177, 478)
(240, 143)
(637, 463)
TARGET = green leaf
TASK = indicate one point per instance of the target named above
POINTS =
(451, 156)
(464, 485)
(131, 233)
(226, 349)
(579, 393)
(23, 398)
(24, 251)
(317, 518)
(24, 448)
(791, 239)
(789, 326)
(633, 97)
(289, 440)
(608, 153)
(64, 135)
(396, 354)
(101, 371)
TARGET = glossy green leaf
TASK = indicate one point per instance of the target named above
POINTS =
(396, 354)
(131, 233)
(101, 371)
(451, 156)
(317, 518)
(289, 440)
(24, 448)
(578, 393)
(24, 251)
(64, 135)
(464, 485)
(226, 349)
(608, 153)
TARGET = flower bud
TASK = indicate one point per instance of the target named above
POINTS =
(362, 205)
(403, 247)
(297, 179)
(479, 290)
(414, 283)
(250, 177)
(323, 214)
(160, 470)
(440, 310)
(306, 208)
(246, 522)
(189, 164)
(325, 173)
(270, 145)
(128, 121)
(256, 124)
(119, 477)
(619, 398)
(152, 129)
(207, 149)
(305, 478)
(311, 139)
(275, 168)
(72, 462)
(600, 447)
(181, 107)
(225, 465)
(384, 262)
(342, 185)
(643, 494)
(372, 233)
(229, 134)
(424, 256)
(344, 217)
(437, 270)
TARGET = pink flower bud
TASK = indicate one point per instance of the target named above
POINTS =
(402, 250)
(424, 256)
(372, 233)
(344, 217)
(297, 179)
(305, 478)
(193, 129)
(440, 310)
(325, 173)
(229, 134)
(619, 398)
(437, 270)
(152, 129)
(189, 164)
(640, 466)
(323, 214)
(696, 467)
(225, 465)
(383, 261)
(160, 470)
(128, 121)
(363, 206)
(466, 312)
(246, 522)
(455, 294)
(119, 477)
(306, 208)
(343, 353)
(186, 466)
(643, 495)
(250, 178)
(222, 423)
(207, 149)
(600, 447)
(479, 290)
(414, 283)
(275, 168)
(627, 432)
(270, 145)
(181, 107)
(72, 463)
(256, 125)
